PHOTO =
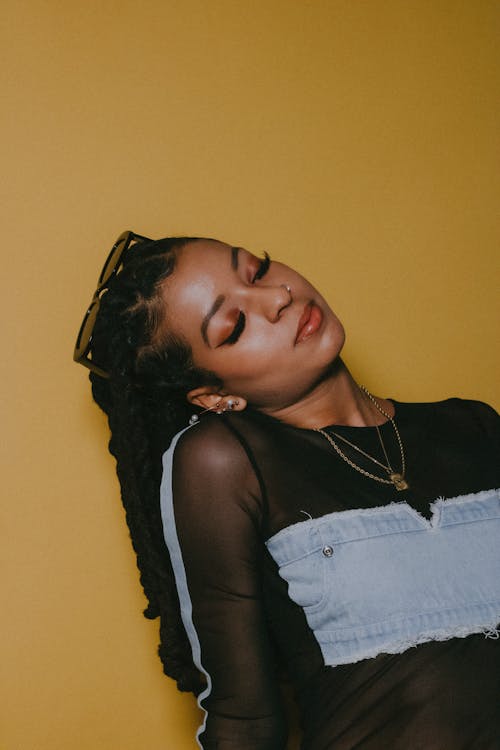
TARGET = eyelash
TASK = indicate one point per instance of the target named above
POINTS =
(237, 330)
(240, 323)
(263, 268)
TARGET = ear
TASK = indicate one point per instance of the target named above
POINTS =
(207, 397)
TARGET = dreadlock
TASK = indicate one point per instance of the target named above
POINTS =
(150, 372)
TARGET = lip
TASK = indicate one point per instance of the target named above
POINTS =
(309, 322)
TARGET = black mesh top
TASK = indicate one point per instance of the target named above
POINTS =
(240, 478)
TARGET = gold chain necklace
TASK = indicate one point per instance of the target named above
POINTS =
(395, 478)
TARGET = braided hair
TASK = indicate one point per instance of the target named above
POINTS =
(150, 372)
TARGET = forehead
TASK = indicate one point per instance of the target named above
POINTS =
(201, 261)
(201, 251)
(202, 269)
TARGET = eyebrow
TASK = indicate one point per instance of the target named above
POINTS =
(208, 317)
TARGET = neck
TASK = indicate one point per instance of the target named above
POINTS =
(335, 400)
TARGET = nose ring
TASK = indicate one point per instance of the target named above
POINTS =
(288, 289)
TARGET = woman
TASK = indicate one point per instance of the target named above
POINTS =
(349, 540)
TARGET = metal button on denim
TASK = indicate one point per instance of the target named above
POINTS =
(328, 551)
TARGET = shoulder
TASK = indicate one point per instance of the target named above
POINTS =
(209, 443)
(456, 413)
(481, 416)
(228, 446)
(463, 408)
(207, 470)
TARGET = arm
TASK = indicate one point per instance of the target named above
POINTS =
(211, 522)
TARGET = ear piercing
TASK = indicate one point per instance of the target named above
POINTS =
(195, 417)
(219, 408)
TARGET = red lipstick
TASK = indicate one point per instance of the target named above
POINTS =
(309, 322)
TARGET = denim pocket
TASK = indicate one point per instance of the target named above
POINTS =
(306, 573)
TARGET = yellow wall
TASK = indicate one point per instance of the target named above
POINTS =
(356, 139)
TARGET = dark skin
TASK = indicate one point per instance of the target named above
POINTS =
(267, 333)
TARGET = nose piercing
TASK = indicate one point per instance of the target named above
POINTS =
(287, 288)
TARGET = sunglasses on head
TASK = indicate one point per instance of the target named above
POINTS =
(110, 268)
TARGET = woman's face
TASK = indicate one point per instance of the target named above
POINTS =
(261, 327)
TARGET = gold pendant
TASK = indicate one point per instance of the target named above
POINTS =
(398, 481)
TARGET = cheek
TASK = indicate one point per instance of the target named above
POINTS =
(247, 370)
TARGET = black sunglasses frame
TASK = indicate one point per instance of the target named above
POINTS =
(109, 269)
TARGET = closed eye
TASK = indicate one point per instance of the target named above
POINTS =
(263, 268)
(237, 330)
(241, 321)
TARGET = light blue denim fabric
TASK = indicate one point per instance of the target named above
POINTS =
(380, 580)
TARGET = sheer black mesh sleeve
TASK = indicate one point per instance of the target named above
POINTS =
(218, 510)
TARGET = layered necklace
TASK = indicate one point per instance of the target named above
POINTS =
(396, 478)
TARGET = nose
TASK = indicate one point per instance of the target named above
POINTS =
(271, 300)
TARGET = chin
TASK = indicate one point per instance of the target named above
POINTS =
(332, 342)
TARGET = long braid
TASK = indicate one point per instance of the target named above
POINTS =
(144, 399)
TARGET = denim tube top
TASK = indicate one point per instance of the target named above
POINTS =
(381, 580)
